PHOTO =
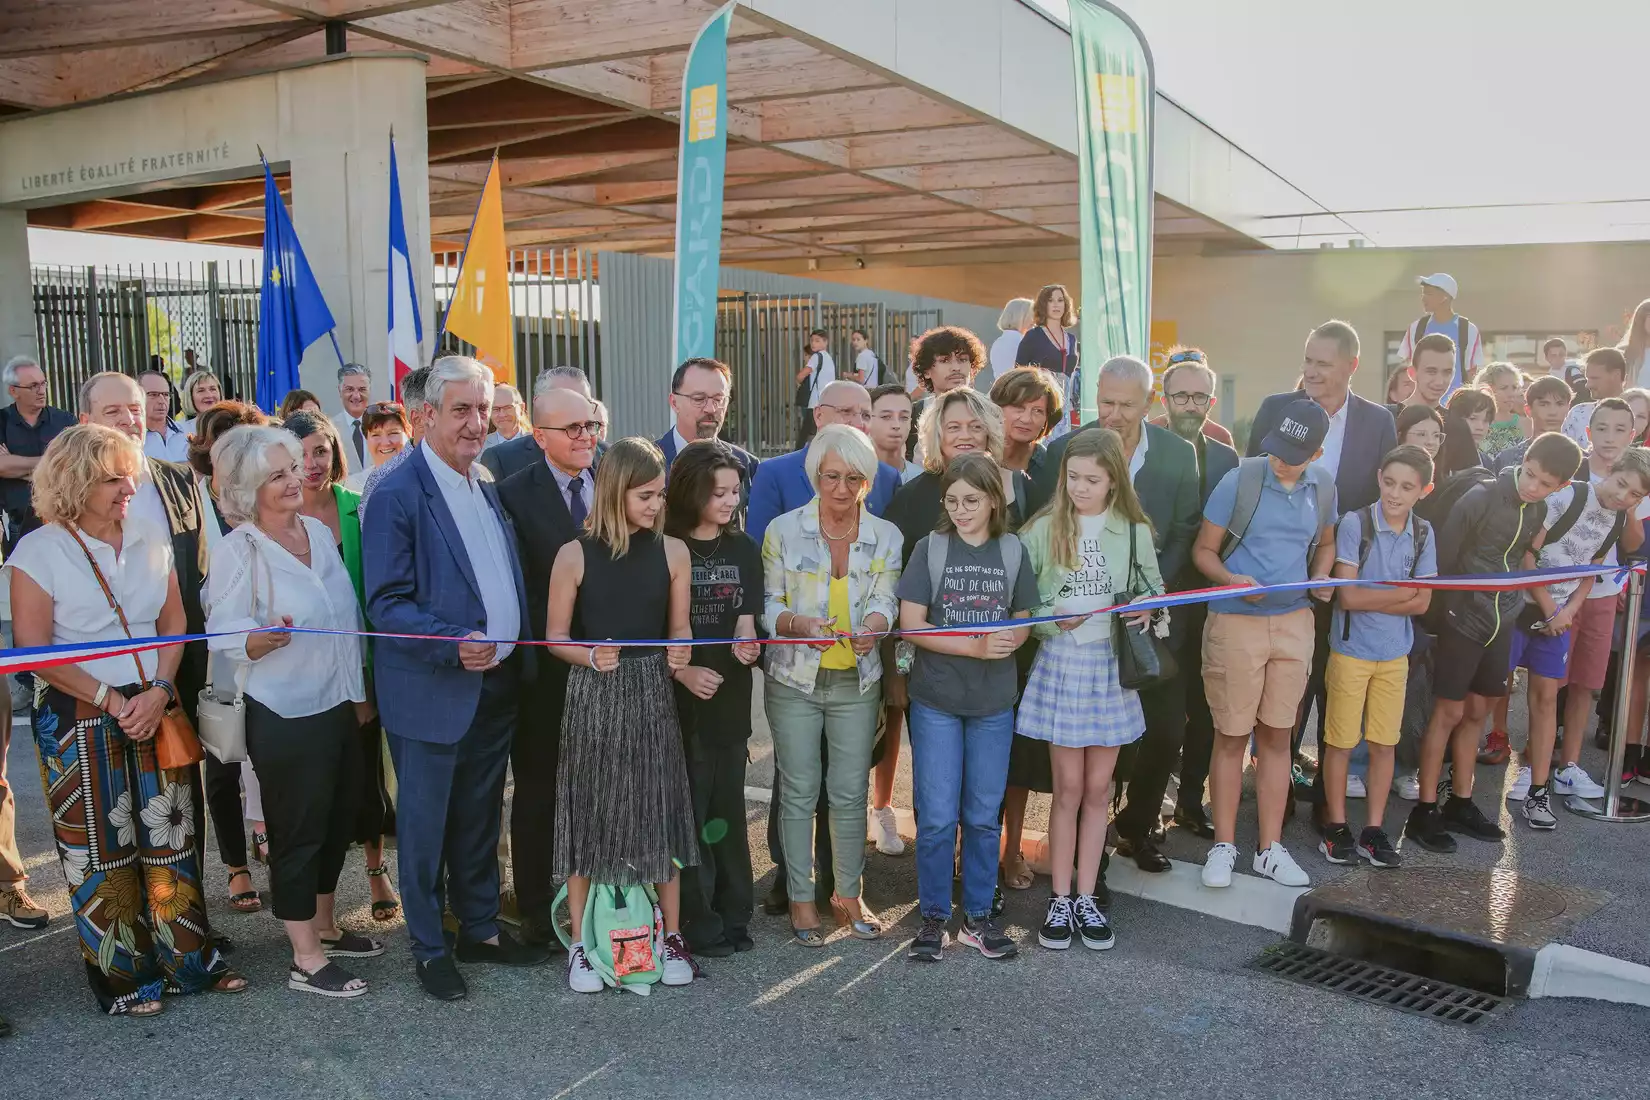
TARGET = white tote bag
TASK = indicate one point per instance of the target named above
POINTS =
(220, 720)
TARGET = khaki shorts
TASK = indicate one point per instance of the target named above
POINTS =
(1366, 699)
(1255, 668)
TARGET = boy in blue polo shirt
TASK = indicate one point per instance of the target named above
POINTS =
(1270, 521)
(1369, 642)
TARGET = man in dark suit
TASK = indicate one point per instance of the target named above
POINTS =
(1189, 394)
(699, 392)
(1164, 471)
(548, 502)
(439, 558)
(1360, 433)
(522, 451)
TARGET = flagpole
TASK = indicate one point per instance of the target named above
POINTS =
(332, 332)
(458, 276)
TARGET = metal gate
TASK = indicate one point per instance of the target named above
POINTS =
(763, 338)
(553, 296)
(904, 326)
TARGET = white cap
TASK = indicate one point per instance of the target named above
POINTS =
(1445, 283)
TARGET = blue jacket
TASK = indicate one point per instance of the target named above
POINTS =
(1370, 434)
(419, 581)
(781, 485)
(747, 461)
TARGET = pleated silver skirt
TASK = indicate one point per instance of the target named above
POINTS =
(623, 811)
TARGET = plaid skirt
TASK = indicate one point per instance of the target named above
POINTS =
(1073, 698)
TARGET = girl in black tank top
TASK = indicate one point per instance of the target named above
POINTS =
(624, 814)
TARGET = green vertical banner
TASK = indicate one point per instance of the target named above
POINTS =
(1116, 93)
(700, 171)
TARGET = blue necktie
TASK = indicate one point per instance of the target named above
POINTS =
(575, 501)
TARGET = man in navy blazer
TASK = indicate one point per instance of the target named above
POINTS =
(699, 392)
(1360, 433)
(781, 484)
(439, 558)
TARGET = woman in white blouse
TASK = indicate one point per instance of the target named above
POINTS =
(278, 568)
(124, 826)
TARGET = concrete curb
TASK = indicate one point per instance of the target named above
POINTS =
(1565, 971)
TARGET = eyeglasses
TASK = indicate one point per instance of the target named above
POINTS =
(1192, 356)
(705, 400)
(848, 412)
(964, 504)
(1201, 400)
(32, 387)
(831, 481)
(591, 428)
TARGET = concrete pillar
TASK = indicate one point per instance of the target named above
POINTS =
(16, 290)
(340, 163)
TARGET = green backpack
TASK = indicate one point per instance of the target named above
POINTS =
(623, 934)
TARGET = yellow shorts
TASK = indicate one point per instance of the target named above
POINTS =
(1255, 668)
(1366, 698)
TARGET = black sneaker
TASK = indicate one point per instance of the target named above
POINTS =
(1336, 844)
(1092, 924)
(930, 942)
(984, 936)
(1462, 815)
(997, 901)
(1426, 828)
(1055, 934)
(1446, 784)
(1102, 893)
(1375, 849)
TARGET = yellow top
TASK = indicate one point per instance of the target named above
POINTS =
(840, 655)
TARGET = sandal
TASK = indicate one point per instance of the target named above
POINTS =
(1018, 875)
(866, 926)
(352, 945)
(247, 901)
(331, 980)
(810, 936)
(386, 910)
(230, 982)
(143, 1008)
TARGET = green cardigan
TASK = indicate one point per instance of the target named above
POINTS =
(349, 537)
(1114, 544)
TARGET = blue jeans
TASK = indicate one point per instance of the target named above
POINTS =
(959, 767)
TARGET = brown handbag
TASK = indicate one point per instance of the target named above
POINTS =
(176, 745)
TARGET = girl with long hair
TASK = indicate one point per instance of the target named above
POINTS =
(1091, 546)
(1635, 346)
(623, 811)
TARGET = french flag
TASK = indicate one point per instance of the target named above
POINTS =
(406, 328)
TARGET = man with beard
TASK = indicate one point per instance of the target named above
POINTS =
(699, 394)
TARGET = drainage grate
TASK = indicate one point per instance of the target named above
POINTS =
(1380, 985)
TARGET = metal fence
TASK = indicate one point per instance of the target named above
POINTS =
(555, 299)
(90, 319)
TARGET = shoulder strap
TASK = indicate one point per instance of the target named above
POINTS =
(1461, 346)
(1421, 529)
(1366, 535)
(1420, 331)
(939, 546)
(1013, 552)
(1578, 505)
(109, 595)
(1615, 533)
(1251, 476)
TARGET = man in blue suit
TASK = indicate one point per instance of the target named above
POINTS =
(439, 558)
(781, 484)
(699, 392)
(1360, 433)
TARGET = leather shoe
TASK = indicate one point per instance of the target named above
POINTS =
(719, 949)
(1145, 853)
(441, 979)
(776, 902)
(1196, 821)
(538, 931)
(506, 952)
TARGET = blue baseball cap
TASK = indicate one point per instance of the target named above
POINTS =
(1299, 434)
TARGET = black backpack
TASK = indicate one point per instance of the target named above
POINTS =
(1578, 504)
(1437, 506)
(1460, 343)
(1366, 539)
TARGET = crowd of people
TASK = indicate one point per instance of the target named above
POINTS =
(461, 522)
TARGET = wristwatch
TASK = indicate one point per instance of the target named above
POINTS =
(102, 694)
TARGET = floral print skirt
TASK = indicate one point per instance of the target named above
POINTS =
(125, 835)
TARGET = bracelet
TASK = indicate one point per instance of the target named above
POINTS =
(168, 687)
(102, 694)
(592, 652)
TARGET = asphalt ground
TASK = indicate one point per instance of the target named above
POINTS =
(1174, 1010)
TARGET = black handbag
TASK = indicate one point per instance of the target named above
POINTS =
(1144, 661)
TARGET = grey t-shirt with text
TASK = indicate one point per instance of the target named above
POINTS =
(973, 589)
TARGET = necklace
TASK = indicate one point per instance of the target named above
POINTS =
(707, 555)
(852, 527)
(286, 543)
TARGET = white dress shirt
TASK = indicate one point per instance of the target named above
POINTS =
(170, 444)
(347, 426)
(1137, 461)
(1003, 350)
(146, 503)
(681, 445)
(80, 611)
(248, 588)
(587, 484)
(483, 535)
(1335, 440)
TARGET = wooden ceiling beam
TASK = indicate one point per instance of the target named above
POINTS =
(765, 69)
(1040, 168)
(466, 143)
(1025, 194)
(83, 75)
(968, 144)
(546, 33)
(514, 101)
(849, 114)
(45, 28)
(474, 31)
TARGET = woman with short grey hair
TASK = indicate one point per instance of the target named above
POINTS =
(280, 568)
(829, 569)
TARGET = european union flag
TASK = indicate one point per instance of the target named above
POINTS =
(292, 314)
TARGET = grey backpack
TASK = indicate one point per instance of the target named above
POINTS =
(1251, 477)
(939, 548)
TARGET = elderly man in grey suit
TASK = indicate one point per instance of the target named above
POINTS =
(1163, 467)
(354, 391)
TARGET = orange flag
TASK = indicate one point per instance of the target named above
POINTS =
(480, 312)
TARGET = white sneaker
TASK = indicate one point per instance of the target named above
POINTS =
(1539, 813)
(1217, 866)
(1521, 786)
(1407, 786)
(1572, 779)
(1278, 865)
(884, 829)
(581, 976)
(679, 965)
(1355, 786)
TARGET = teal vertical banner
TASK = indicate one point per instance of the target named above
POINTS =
(699, 176)
(1116, 93)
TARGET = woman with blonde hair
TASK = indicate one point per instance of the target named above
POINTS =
(624, 813)
(1012, 325)
(124, 825)
(829, 570)
(1091, 547)
(201, 390)
(1635, 346)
